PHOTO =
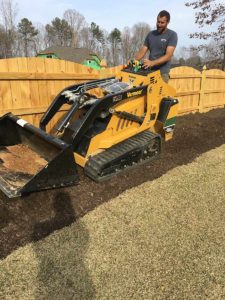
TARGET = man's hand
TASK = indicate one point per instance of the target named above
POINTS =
(148, 63)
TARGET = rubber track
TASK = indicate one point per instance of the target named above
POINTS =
(114, 154)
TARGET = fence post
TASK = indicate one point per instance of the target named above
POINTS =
(202, 90)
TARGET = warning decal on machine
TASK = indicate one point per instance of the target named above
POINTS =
(21, 122)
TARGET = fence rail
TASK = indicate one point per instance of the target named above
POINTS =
(28, 85)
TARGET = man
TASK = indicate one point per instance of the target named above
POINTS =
(161, 43)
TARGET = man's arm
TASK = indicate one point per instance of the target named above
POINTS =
(151, 63)
(141, 53)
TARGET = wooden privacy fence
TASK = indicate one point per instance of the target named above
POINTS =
(28, 85)
(198, 91)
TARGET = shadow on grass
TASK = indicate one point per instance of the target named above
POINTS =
(62, 273)
(61, 206)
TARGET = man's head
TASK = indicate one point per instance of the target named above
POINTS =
(163, 20)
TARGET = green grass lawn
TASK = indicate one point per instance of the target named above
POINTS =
(164, 239)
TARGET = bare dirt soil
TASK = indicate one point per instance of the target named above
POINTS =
(17, 158)
(35, 216)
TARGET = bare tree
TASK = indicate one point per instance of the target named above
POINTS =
(77, 22)
(133, 39)
(41, 39)
(3, 39)
(194, 59)
(115, 45)
(208, 13)
(126, 44)
(85, 37)
(104, 45)
(93, 38)
(207, 52)
(8, 12)
(139, 33)
(182, 53)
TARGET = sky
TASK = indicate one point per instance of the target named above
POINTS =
(110, 14)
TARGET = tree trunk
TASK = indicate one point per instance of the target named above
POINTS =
(223, 60)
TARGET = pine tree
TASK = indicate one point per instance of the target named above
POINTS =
(26, 32)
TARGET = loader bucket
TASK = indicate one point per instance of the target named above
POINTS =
(32, 160)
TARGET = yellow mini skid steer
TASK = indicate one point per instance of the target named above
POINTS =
(112, 124)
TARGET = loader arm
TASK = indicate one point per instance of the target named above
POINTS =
(61, 99)
(74, 132)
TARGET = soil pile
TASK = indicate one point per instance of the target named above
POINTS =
(20, 158)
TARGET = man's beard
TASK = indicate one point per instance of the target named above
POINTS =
(160, 30)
